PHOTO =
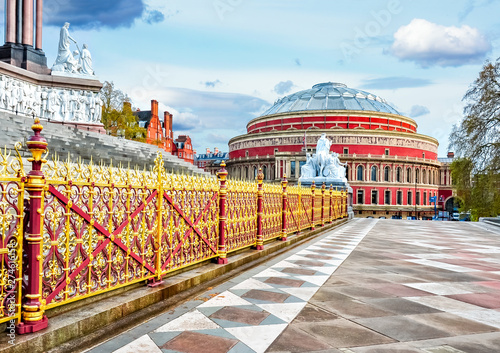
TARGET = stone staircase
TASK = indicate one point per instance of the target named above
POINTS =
(65, 140)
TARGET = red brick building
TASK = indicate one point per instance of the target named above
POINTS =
(183, 148)
(160, 133)
(392, 169)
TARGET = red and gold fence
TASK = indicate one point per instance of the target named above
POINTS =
(12, 183)
(95, 228)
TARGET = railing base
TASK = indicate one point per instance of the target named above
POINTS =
(222, 261)
(154, 283)
(25, 327)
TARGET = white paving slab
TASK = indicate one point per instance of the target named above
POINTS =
(191, 321)
(143, 344)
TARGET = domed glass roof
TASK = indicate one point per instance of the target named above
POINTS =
(330, 96)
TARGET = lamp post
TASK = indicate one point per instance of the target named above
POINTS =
(416, 214)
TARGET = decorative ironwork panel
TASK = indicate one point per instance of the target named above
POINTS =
(241, 224)
(293, 217)
(12, 182)
(306, 204)
(99, 229)
(189, 218)
(318, 199)
(326, 210)
(272, 211)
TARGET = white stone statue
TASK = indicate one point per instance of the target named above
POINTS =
(323, 166)
(308, 170)
(86, 62)
(65, 61)
(322, 153)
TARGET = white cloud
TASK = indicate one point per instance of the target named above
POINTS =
(430, 44)
(418, 110)
(283, 87)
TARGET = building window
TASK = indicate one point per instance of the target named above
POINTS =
(246, 173)
(425, 199)
(398, 174)
(399, 197)
(387, 197)
(246, 153)
(408, 199)
(292, 169)
(417, 176)
(360, 173)
(301, 163)
(374, 197)
(347, 172)
(423, 155)
(180, 154)
(346, 150)
(374, 173)
(275, 150)
(387, 173)
(360, 197)
(386, 151)
(408, 175)
(417, 197)
(264, 171)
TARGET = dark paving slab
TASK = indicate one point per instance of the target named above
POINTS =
(298, 271)
(313, 313)
(245, 316)
(288, 282)
(193, 342)
(296, 340)
(343, 333)
(265, 295)
(401, 306)
(485, 300)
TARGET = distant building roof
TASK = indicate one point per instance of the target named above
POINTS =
(143, 117)
(213, 156)
(445, 160)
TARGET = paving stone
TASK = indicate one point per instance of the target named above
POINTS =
(296, 340)
(265, 295)
(231, 313)
(194, 342)
(343, 333)
(484, 300)
(287, 282)
(391, 326)
(312, 313)
(401, 306)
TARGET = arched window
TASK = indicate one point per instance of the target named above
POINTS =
(398, 174)
(347, 172)
(374, 173)
(246, 173)
(408, 175)
(264, 171)
(417, 176)
(255, 171)
(387, 173)
(360, 173)
(424, 177)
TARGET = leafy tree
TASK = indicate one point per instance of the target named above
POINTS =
(476, 175)
(117, 115)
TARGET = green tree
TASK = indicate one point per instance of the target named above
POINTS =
(117, 115)
(476, 140)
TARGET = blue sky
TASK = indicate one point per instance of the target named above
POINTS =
(216, 64)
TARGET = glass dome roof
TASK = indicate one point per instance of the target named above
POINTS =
(330, 96)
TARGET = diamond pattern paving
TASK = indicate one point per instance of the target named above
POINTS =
(369, 286)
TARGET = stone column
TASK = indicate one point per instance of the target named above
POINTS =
(19, 21)
(28, 22)
(39, 22)
(10, 26)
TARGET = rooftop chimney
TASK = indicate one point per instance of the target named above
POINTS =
(208, 150)
(216, 150)
(451, 154)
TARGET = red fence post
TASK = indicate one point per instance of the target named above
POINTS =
(222, 252)
(330, 211)
(313, 189)
(33, 318)
(260, 210)
(284, 183)
(323, 188)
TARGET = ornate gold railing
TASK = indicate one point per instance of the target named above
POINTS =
(95, 228)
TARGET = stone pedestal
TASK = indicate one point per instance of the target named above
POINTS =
(25, 57)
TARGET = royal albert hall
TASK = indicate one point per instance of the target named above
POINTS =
(392, 169)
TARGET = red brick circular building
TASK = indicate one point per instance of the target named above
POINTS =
(392, 169)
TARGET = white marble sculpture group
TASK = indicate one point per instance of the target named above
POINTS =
(323, 166)
(50, 103)
(67, 62)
